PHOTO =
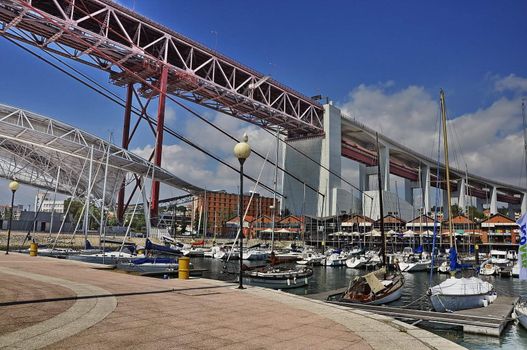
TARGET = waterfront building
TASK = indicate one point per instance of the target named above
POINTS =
(421, 224)
(391, 222)
(357, 223)
(219, 207)
(499, 229)
(44, 204)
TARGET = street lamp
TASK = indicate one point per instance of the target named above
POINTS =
(13, 186)
(242, 151)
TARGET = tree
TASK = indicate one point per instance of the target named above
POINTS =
(456, 210)
(75, 208)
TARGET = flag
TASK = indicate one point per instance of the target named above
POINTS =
(522, 249)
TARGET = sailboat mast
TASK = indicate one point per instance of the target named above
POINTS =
(379, 181)
(273, 214)
(447, 167)
(524, 133)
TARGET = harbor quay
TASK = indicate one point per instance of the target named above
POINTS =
(61, 304)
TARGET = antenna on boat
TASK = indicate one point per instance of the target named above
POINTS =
(379, 181)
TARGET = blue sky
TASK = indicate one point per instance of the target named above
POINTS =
(355, 52)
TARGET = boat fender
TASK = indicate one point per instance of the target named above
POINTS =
(485, 302)
(288, 282)
(294, 280)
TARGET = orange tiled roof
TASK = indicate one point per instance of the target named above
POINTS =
(290, 219)
(390, 219)
(499, 219)
(359, 219)
(460, 219)
(425, 219)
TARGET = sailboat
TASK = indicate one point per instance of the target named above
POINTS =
(383, 285)
(457, 293)
(271, 275)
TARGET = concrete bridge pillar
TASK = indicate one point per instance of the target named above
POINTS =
(409, 192)
(384, 153)
(493, 201)
(461, 194)
(445, 205)
(425, 187)
(327, 151)
(364, 179)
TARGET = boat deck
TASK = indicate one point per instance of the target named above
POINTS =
(490, 320)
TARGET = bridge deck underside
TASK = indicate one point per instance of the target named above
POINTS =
(133, 49)
(358, 144)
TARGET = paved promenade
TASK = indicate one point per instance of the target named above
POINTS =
(61, 304)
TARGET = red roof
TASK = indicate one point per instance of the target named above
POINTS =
(499, 219)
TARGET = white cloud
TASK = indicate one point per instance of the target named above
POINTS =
(489, 140)
(511, 83)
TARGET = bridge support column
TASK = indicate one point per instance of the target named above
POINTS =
(445, 205)
(364, 179)
(408, 191)
(425, 187)
(493, 201)
(327, 151)
(384, 153)
(461, 194)
(154, 200)
(524, 203)
(124, 142)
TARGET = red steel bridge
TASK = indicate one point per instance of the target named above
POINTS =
(152, 61)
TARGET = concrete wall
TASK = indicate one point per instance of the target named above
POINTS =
(391, 204)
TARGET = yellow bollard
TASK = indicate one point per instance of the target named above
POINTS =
(184, 268)
(33, 249)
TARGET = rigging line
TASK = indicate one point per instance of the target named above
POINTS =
(172, 99)
(155, 88)
(147, 118)
(321, 166)
(118, 100)
(436, 203)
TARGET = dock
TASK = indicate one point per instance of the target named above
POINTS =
(490, 320)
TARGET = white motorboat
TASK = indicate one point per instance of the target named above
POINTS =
(489, 269)
(499, 257)
(357, 262)
(254, 254)
(521, 313)
(415, 265)
(312, 258)
(444, 267)
(336, 259)
(461, 293)
(193, 251)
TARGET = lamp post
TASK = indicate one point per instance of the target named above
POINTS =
(13, 186)
(242, 150)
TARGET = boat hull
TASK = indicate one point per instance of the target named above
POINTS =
(277, 284)
(396, 295)
(414, 267)
(443, 303)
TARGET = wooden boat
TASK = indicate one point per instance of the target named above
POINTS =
(375, 288)
(383, 285)
(278, 277)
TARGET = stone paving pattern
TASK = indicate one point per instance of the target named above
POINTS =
(198, 314)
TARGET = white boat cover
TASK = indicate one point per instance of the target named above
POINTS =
(462, 286)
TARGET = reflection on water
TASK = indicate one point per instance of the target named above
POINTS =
(331, 278)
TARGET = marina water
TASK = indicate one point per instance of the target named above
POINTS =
(331, 278)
